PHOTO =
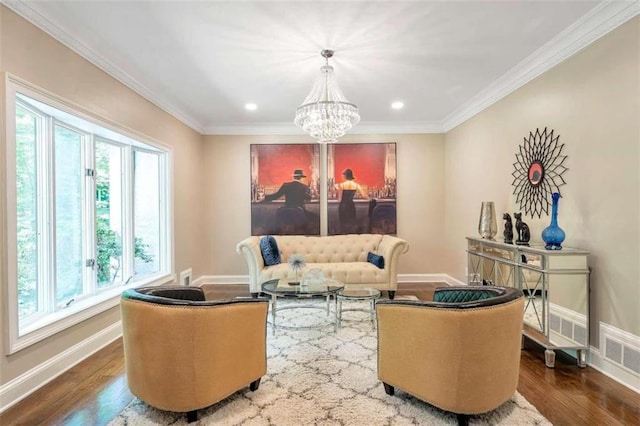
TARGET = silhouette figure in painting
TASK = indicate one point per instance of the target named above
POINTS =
(347, 209)
(293, 218)
(295, 193)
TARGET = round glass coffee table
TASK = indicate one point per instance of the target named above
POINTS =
(367, 294)
(282, 289)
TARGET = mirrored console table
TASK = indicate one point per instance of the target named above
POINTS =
(555, 284)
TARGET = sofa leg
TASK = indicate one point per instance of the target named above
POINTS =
(192, 416)
(254, 295)
(389, 390)
(463, 419)
(254, 385)
(392, 294)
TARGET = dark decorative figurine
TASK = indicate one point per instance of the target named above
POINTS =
(508, 229)
(522, 229)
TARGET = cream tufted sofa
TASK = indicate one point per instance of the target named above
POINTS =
(340, 257)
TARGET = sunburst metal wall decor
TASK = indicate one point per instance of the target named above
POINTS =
(538, 172)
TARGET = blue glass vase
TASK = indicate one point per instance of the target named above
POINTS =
(553, 235)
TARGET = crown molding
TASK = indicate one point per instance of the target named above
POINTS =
(23, 8)
(599, 21)
(285, 128)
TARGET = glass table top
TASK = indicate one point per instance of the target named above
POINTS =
(359, 293)
(285, 288)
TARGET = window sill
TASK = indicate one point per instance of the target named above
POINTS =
(76, 313)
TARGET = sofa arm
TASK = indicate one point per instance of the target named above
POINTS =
(391, 248)
(250, 248)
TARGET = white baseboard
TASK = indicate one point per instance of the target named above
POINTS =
(422, 278)
(623, 368)
(24, 385)
(613, 371)
(454, 281)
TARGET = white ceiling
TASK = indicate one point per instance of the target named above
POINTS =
(202, 61)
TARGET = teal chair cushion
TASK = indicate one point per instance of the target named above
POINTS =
(460, 296)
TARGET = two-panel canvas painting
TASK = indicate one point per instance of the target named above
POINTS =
(360, 192)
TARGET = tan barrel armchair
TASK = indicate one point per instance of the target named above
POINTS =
(460, 353)
(183, 353)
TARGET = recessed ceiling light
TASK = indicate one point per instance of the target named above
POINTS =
(250, 107)
(397, 105)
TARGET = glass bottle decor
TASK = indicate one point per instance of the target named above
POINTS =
(488, 224)
(553, 235)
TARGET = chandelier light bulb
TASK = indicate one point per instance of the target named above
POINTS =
(326, 114)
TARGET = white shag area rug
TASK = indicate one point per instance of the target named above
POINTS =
(318, 377)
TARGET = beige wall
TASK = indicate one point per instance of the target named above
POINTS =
(420, 161)
(591, 101)
(29, 53)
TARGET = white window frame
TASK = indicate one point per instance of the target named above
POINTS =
(54, 322)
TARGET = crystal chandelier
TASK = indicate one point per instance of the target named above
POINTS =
(326, 114)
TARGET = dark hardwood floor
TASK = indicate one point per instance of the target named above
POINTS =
(95, 391)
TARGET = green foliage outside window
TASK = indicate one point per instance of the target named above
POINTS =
(110, 252)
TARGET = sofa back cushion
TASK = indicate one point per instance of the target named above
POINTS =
(329, 249)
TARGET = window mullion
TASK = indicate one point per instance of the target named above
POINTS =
(89, 217)
(46, 215)
(165, 253)
(128, 252)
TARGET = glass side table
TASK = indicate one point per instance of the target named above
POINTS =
(366, 294)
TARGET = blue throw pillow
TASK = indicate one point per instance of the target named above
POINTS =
(376, 260)
(269, 250)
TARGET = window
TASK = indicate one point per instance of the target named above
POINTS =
(87, 215)
(146, 178)
(26, 178)
(109, 223)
